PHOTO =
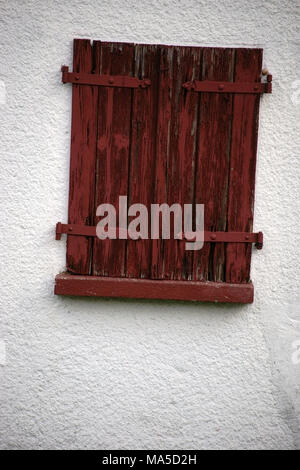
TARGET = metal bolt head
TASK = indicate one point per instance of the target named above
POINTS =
(213, 237)
(110, 81)
(221, 87)
(265, 71)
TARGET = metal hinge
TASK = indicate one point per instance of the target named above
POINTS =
(210, 86)
(122, 81)
(209, 237)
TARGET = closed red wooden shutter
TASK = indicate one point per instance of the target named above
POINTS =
(162, 142)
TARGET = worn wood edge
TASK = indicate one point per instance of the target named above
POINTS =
(95, 286)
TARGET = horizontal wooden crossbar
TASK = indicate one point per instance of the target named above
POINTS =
(94, 286)
(126, 81)
(212, 237)
(210, 86)
(122, 81)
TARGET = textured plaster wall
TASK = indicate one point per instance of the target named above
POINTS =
(82, 373)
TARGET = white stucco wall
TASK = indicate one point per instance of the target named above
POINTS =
(94, 373)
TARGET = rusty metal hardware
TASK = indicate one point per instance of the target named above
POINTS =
(210, 86)
(209, 237)
(123, 81)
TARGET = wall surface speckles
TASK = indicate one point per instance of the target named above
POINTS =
(94, 373)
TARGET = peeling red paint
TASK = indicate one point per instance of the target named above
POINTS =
(163, 143)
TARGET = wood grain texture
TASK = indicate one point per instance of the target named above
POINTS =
(164, 144)
(113, 146)
(243, 164)
(180, 162)
(83, 157)
(212, 165)
(163, 137)
(95, 286)
(143, 151)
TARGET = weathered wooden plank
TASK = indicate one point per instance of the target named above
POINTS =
(212, 165)
(113, 144)
(82, 164)
(144, 143)
(163, 136)
(242, 164)
(142, 158)
(95, 286)
(177, 262)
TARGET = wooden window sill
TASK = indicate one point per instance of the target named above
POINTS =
(94, 286)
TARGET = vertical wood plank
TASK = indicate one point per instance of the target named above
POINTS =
(143, 148)
(144, 144)
(163, 136)
(113, 143)
(242, 165)
(212, 166)
(82, 164)
(178, 262)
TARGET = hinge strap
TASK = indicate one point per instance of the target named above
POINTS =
(122, 81)
(209, 237)
(210, 86)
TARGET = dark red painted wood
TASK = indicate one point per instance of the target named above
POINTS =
(162, 150)
(83, 155)
(212, 165)
(95, 286)
(143, 151)
(213, 86)
(242, 165)
(212, 237)
(114, 80)
(163, 143)
(113, 145)
(177, 262)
